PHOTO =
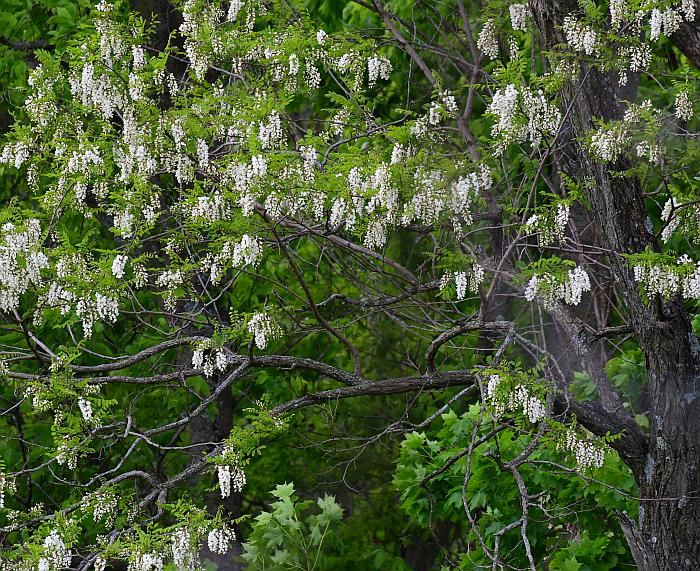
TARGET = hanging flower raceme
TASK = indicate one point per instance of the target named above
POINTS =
(522, 115)
(262, 328)
(230, 473)
(464, 281)
(506, 394)
(567, 287)
(662, 275)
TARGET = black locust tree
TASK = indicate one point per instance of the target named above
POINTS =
(491, 205)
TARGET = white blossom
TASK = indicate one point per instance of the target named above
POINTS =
(553, 290)
(231, 478)
(146, 562)
(537, 116)
(202, 154)
(586, 453)
(15, 154)
(655, 22)
(85, 409)
(56, 554)
(234, 9)
(218, 540)
(262, 328)
(519, 398)
(618, 11)
(212, 208)
(577, 284)
(607, 144)
(487, 41)
(118, 265)
(378, 67)
(247, 252)
(688, 9)
(184, 555)
(139, 56)
(518, 15)
(532, 288)
(580, 37)
(684, 106)
(270, 133)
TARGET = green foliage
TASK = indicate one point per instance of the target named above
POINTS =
(430, 475)
(292, 535)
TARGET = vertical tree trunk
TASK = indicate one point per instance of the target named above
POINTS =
(667, 535)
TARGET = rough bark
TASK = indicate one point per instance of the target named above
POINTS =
(667, 534)
(687, 38)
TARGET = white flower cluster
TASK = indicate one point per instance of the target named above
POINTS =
(169, 280)
(435, 197)
(56, 556)
(378, 67)
(586, 453)
(464, 281)
(667, 281)
(198, 19)
(518, 16)
(618, 12)
(230, 478)
(487, 41)
(607, 144)
(211, 208)
(6, 484)
(184, 554)
(463, 190)
(671, 220)
(649, 151)
(112, 47)
(21, 262)
(67, 455)
(85, 409)
(233, 10)
(101, 307)
(518, 398)
(263, 329)
(373, 196)
(247, 252)
(669, 21)
(550, 228)
(218, 540)
(270, 133)
(98, 92)
(434, 113)
(639, 57)
(684, 106)
(575, 286)
(243, 177)
(15, 154)
(146, 562)
(40, 102)
(553, 290)
(118, 265)
(450, 102)
(103, 505)
(537, 116)
(211, 362)
(580, 37)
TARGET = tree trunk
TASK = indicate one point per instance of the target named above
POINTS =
(667, 534)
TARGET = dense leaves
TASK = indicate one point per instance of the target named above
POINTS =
(435, 263)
